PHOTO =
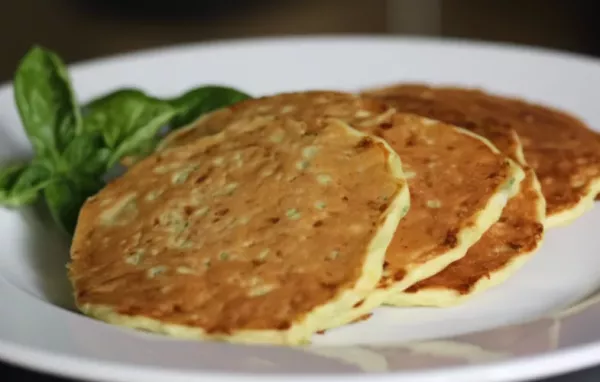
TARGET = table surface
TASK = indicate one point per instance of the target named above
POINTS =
(10, 373)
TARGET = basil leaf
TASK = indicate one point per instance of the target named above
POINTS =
(87, 155)
(10, 173)
(46, 103)
(142, 152)
(128, 120)
(65, 198)
(20, 184)
(192, 104)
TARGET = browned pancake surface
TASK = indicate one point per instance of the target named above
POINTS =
(520, 229)
(562, 150)
(452, 177)
(451, 174)
(248, 229)
(517, 233)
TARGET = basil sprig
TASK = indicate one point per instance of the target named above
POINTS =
(74, 147)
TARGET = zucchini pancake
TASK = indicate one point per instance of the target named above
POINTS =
(510, 242)
(459, 182)
(459, 188)
(562, 150)
(263, 233)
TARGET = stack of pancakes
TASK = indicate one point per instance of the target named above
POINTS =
(286, 215)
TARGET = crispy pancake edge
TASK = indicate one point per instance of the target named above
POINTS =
(586, 203)
(465, 238)
(440, 296)
(340, 310)
(443, 297)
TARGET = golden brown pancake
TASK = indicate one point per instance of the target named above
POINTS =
(459, 187)
(509, 242)
(562, 150)
(262, 233)
(436, 235)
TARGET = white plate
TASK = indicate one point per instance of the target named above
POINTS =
(466, 343)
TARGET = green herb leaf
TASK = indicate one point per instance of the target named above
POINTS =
(87, 155)
(194, 103)
(73, 153)
(10, 173)
(20, 184)
(66, 196)
(128, 119)
(46, 103)
(143, 151)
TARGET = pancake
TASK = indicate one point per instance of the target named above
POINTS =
(509, 243)
(459, 185)
(264, 233)
(302, 106)
(500, 252)
(430, 238)
(562, 150)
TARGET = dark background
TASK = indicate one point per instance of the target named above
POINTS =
(84, 29)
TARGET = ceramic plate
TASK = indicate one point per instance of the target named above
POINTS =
(522, 329)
